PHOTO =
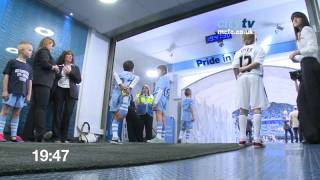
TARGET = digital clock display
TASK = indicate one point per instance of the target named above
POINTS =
(217, 37)
(44, 155)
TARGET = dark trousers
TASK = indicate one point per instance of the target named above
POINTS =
(132, 125)
(300, 135)
(63, 108)
(297, 135)
(249, 135)
(286, 134)
(145, 123)
(37, 114)
(308, 100)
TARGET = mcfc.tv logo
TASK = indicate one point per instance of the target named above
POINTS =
(236, 26)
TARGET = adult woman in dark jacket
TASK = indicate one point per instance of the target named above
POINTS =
(44, 70)
(65, 94)
(309, 89)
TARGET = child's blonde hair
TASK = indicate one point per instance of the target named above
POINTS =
(248, 38)
(22, 46)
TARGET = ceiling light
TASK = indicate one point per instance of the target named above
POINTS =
(71, 14)
(152, 73)
(265, 44)
(108, 1)
(44, 31)
(12, 50)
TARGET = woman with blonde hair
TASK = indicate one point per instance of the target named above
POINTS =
(44, 71)
(144, 100)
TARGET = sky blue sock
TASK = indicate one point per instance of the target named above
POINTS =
(14, 126)
(2, 123)
(115, 126)
(159, 129)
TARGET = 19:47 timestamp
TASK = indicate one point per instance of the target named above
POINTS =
(45, 156)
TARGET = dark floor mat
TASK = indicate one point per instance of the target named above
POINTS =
(18, 158)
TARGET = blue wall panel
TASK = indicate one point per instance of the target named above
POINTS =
(19, 18)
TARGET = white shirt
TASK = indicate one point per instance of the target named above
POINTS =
(307, 44)
(294, 119)
(126, 75)
(64, 81)
(285, 115)
(253, 52)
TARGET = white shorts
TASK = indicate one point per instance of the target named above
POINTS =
(251, 92)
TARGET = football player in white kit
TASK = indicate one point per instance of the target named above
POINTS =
(248, 70)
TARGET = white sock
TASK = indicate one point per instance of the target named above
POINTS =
(115, 126)
(181, 134)
(243, 127)
(159, 130)
(257, 126)
(163, 136)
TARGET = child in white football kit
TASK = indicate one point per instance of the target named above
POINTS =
(248, 71)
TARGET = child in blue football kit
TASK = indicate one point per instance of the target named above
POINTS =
(120, 97)
(187, 117)
(17, 86)
(161, 98)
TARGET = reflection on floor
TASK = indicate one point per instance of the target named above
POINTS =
(276, 161)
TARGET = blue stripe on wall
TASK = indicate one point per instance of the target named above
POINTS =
(181, 66)
(282, 47)
(221, 58)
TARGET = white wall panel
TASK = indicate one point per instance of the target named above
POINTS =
(93, 83)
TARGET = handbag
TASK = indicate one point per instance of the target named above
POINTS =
(85, 136)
